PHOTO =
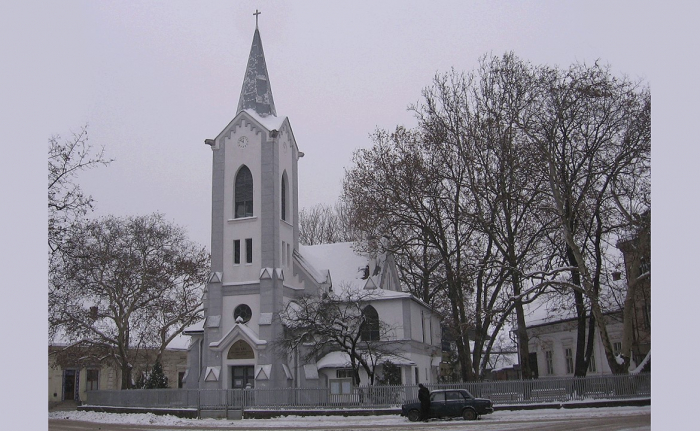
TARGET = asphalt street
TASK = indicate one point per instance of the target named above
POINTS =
(631, 422)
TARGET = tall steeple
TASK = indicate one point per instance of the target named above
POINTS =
(256, 92)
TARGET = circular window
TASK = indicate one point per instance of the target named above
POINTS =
(242, 314)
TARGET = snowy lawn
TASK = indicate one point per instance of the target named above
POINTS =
(301, 422)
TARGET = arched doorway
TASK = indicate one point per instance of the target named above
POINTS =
(242, 376)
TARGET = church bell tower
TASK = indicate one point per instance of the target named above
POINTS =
(254, 233)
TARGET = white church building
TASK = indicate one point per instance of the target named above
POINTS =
(258, 266)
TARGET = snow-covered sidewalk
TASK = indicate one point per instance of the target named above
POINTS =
(302, 422)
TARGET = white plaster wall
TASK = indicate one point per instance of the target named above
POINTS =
(391, 314)
(417, 327)
(248, 227)
(558, 341)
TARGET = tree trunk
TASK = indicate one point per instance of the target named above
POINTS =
(126, 375)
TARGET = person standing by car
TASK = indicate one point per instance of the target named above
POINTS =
(424, 398)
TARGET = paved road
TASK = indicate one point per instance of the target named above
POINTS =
(631, 422)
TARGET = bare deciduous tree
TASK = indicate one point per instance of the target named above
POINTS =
(125, 284)
(592, 133)
(347, 322)
(403, 189)
(325, 224)
(66, 200)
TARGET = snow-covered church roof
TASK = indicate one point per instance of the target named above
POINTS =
(351, 272)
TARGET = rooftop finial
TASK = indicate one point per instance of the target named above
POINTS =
(257, 12)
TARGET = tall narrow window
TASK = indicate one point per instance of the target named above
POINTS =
(284, 196)
(237, 251)
(549, 361)
(180, 378)
(244, 193)
(93, 378)
(369, 330)
(568, 354)
(249, 250)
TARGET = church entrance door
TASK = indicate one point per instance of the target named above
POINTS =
(243, 376)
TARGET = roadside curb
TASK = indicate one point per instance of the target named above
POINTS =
(635, 402)
(268, 414)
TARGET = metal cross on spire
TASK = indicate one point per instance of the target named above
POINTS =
(257, 12)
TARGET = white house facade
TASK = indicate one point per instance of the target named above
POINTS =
(554, 343)
(258, 266)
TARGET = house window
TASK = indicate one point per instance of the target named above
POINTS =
(646, 310)
(369, 330)
(342, 384)
(244, 193)
(549, 361)
(416, 375)
(92, 380)
(284, 196)
(345, 373)
(591, 363)
(237, 251)
(180, 378)
(249, 250)
(568, 354)
(617, 348)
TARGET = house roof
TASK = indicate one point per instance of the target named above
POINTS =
(549, 321)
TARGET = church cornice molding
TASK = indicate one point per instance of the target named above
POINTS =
(245, 120)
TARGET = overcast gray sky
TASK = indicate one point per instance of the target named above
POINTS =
(154, 79)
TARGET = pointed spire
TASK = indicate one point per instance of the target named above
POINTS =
(256, 92)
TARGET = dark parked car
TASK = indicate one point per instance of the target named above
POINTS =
(448, 403)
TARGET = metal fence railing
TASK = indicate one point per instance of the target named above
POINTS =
(377, 397)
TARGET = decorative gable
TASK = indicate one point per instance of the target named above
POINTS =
(212, 374)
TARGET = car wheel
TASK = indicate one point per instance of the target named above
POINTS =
(468, 414)
(413, 415)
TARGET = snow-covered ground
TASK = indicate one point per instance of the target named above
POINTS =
(302, 422)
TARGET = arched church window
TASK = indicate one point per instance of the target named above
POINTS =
(242, 314)
(369, 330)
(284, 195)
(244, 193)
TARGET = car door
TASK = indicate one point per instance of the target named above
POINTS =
(454, 402)
(437, 404)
